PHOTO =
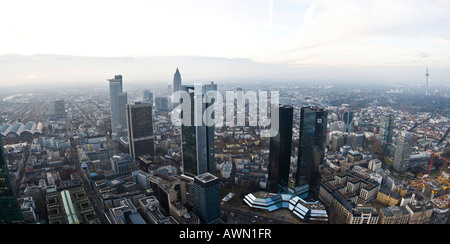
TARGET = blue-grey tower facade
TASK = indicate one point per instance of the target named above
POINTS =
(207, 198)
(313, 126)
(197, 133)
(386, 128)
(176, 81)
(140, 129)
(118, 102)
(147, 96)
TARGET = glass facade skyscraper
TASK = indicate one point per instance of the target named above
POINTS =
(147, 96)
(386, 126)
(118, 101)
(207, 198)
(403, 152)
(140, 129)
(176, 81)
(10, 212)
(197, 137)
(313, 126)
(347, 118)
(280, 150)
(176, 87)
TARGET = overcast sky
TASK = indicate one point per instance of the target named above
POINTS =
(146, 40)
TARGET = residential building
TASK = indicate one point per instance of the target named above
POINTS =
(394, 215)
(420, 211)
(388, 197)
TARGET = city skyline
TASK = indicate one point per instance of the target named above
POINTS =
(230, 112)
(45, 149)
(287, 40)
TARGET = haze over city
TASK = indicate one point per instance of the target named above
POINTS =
(366, 42)
(200, 112)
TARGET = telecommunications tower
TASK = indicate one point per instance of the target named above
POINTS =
(427, 90)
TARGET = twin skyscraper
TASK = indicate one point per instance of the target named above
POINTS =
(313, 126)
(197, 139)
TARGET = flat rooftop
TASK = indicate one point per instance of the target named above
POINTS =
(206, 177)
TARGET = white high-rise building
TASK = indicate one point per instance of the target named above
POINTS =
(403, 152)
(118, 101)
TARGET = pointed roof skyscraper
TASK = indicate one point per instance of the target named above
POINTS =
(176, 81)
(176, 87)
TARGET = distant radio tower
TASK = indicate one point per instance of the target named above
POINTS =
(427, 74)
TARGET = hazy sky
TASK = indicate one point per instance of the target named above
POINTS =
(146, 40)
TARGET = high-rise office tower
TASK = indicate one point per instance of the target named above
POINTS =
(147, 96)
(10, 212)
(60, 108)
(176, 86)
(197, 137)
(313, 127)
(280, 150)
(162, 103)
(118, 101)
(403, 152)
(338, 141)
(176, 81)
(207, 198)
(386, 127)
(140, 129)
(347, 117)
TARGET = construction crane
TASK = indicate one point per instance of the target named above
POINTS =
(431, 162)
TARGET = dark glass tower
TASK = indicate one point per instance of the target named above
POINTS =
(197, 137)
(140, 129)
(207, 198)
(10, 212)
(280, 150)
(386, 127)
(313, 126)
